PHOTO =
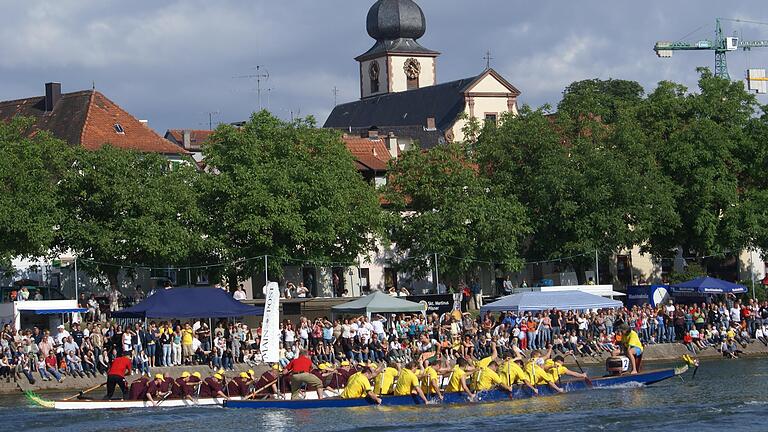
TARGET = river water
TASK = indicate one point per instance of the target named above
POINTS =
(724, 395)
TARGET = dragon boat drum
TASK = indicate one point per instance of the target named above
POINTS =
(617, 365)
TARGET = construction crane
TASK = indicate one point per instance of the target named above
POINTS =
(720, 45)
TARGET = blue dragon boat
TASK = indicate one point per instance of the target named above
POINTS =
(519, 392)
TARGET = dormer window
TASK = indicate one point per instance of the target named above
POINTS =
(119, 129)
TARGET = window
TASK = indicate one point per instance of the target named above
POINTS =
(373, 73)
(491, 118)
(413, 83)
(119, 129)
(365, 280)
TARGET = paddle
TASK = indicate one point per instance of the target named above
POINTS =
(586, 378)
(82, 392)
(255, 392)
(163, 398)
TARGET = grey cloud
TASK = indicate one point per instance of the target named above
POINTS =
(173, 61)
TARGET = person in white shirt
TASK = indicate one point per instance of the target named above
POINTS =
(240, 295)
(378, 327)
(61, 335)
(736, 313)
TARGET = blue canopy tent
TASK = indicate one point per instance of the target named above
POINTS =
(538, 301)
(708, 285)
(189, 303)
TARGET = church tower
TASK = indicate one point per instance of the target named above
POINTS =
(396, 62)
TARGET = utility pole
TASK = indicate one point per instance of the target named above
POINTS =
(266, 271)
(597, 270)
(488, 59)
(260, 75)
(437, 276)
(76, 278)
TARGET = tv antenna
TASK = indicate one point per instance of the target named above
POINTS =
(335, 95)
(261, 75)
(211, 114)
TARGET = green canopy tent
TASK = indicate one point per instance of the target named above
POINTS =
(379, 302)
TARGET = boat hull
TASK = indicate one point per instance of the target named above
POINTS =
(519, 392)
(130, 404)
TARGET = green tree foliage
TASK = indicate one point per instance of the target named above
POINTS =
(447, 207)
(30, 166)
(288, 190)
(587, 184)
(712, 145)
(129, 208)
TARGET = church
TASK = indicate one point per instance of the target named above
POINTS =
(400, 96)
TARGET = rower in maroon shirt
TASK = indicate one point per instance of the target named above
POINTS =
(300, 368)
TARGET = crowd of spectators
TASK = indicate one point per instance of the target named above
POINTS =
(87, 348)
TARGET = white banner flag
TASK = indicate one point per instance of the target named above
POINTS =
(270, 327)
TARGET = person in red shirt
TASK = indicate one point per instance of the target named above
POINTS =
(300, 368)
(116, 374)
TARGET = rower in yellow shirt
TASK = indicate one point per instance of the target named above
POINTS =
(486, 378)
(537, 374)
(384, 383)
(408, 382)
(359, 385)
(512, 373)
(430, 380)
(458, 379)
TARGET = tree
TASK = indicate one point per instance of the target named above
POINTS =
(126, 208)
(587, 184)
(711, 146)
(30, 166)
(287, 190)
(446, 206)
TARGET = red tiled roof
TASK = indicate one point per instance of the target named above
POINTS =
(370, 153)
(99, 129)
(196, 137)
(88, 118)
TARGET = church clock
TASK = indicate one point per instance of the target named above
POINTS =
(412, 68)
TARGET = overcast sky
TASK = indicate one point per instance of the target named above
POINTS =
(172, 62)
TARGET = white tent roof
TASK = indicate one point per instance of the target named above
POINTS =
(379, 302)
(563, 300)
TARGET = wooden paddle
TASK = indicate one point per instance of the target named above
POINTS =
(253, 394)
(86, 391)
(586, 378)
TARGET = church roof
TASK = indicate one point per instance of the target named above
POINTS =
(444, 102)
(405, 113)
(396, 24)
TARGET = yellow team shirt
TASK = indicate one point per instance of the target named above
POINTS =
(357, 386)
(429, 376)
(536, 374)
(634, 341)
(512, 373)
(555, 370)
(186, 336)
(483, 363)
(406, 382)
(487, 379)
(454, 384)
(384, 381)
